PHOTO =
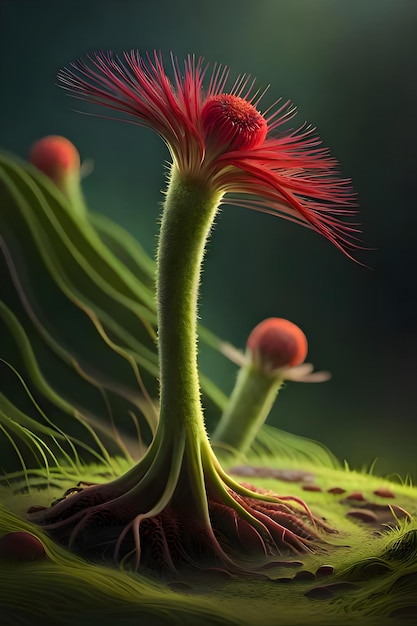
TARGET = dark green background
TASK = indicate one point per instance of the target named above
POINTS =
(351, 69)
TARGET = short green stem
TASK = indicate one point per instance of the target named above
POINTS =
(249, 406)
(70, 185)
(188, 215)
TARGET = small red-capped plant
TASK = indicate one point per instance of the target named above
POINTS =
(275, 351)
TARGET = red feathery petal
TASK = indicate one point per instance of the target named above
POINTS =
(222, 139)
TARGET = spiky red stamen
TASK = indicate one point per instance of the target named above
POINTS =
(277, 343)
(232, 123)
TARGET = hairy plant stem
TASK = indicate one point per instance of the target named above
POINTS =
(249, 406)
(188, 215)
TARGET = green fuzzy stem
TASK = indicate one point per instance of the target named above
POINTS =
(70, 185)
(72, 188)
(188, 215)
(249, 406)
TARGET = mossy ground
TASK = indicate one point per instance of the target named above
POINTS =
(374, 556)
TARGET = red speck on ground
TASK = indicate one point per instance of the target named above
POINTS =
(384, 492)
(21, 546)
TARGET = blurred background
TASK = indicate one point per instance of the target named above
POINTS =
(351, 69)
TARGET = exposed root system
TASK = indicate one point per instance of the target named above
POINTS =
(177, 528)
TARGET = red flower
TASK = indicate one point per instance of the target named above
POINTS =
(222, 140)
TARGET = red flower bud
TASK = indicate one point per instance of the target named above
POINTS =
(56, 157)
(276, 343)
